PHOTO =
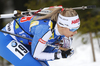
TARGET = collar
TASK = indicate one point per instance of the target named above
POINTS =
(56, 30)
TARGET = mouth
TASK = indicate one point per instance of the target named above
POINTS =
(71, 35)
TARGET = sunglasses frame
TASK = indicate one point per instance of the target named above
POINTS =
(74, 29)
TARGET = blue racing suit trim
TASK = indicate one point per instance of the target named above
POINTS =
(39, 32)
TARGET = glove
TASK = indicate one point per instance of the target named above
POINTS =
(57, 55)
(67, 53)
(64, 54)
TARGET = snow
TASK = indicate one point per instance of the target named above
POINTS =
(82, 54)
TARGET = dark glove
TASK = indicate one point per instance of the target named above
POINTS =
(57, 55)
(66, 53)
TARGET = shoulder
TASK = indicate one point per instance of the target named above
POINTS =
(42, 28)
(40, 22)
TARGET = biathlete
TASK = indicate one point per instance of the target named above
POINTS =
(56, 28)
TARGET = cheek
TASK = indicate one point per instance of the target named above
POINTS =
(66, 32)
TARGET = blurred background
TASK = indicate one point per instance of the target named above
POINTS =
(90, 19)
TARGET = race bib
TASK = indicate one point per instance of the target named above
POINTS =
(18, 49)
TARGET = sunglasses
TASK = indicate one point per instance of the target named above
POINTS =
(74, 29)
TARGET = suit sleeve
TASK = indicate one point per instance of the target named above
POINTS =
(41, 36)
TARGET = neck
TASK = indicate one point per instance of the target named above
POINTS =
(57, 31)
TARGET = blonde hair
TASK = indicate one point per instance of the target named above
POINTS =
(67, 12)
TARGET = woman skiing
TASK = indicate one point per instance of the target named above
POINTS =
(56, 28)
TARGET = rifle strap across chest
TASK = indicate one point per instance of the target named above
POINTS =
(22, 28)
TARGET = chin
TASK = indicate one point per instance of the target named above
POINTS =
(67, 36)
(71, 36)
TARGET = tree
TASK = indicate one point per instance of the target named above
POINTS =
(1, 11)
(97, 28)
(19, 4)
(90, 25)
(37, 4)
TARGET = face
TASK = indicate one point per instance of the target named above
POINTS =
(66, 31)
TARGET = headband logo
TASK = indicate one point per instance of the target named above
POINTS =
(75, 21)
(63, 18)
(60, 23)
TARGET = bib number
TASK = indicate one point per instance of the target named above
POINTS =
(24, 19)
(18, 49)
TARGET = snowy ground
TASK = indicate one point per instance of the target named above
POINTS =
(82, 55)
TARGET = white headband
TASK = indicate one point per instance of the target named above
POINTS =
(69, 22)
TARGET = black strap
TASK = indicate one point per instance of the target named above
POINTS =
(22, 28)
(52, 30)
(54, 23)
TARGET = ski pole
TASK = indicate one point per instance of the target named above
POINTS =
(56, 47)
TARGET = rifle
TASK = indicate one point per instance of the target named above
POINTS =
(43, 11)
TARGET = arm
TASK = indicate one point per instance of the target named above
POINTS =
(67, 44)
(41, 36)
